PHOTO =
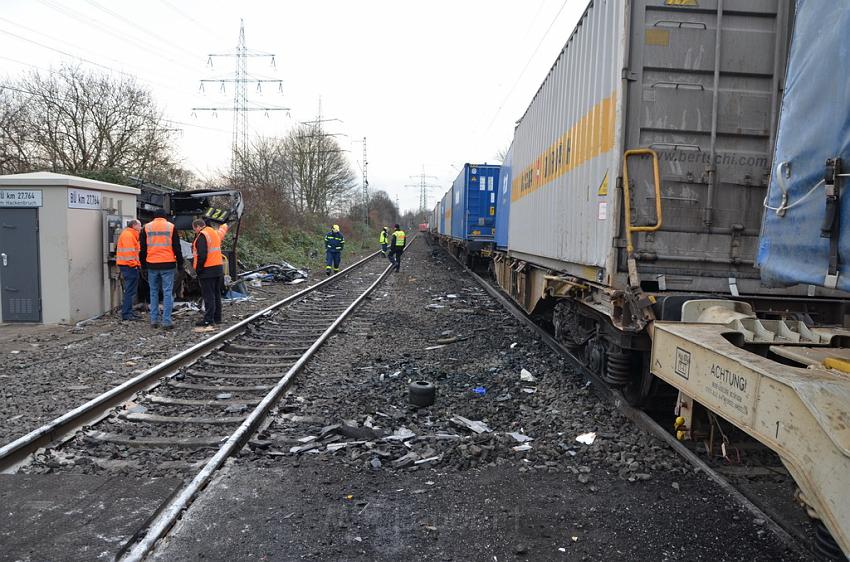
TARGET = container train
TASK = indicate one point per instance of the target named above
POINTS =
(639, 210)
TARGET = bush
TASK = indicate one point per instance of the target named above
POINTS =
(264, 240)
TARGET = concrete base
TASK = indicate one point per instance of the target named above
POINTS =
(75, 516)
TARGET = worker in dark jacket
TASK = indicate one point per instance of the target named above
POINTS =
(209, 265)
(397, 247)
(383, 240)
(334, 242)
(160, 254)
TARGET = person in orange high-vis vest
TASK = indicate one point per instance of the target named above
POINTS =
(127, 260)
(209, 265)
(160, 254)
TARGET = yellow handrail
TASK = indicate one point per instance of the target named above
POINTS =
(627, 199)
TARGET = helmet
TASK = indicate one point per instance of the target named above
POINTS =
(336, 228)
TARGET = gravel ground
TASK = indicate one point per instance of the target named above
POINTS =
(48, 370)
(347, 470)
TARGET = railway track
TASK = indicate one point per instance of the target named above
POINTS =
(789, 532)
(188, 414)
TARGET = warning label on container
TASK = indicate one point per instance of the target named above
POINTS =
(729, 389)
(603, 210)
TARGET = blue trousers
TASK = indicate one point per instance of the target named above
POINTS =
(131, 284)
(332, 261)
(161, 279)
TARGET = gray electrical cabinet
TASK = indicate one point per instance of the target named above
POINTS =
(57, 245)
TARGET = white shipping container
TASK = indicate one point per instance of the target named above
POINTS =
(695, 82)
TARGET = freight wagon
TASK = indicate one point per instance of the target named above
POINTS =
(503, 201)
(638, 172)
(436, 217)
(638, 180)
(472, 212)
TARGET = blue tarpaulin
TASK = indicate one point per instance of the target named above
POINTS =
(814, 125)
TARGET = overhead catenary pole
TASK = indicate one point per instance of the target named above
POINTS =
(240, 108)
(365, 186)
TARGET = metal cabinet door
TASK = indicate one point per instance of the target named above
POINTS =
(19, 268)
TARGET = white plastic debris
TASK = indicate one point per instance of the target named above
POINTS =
(529, 390)
(476, 426)
(400, 434)
(337, 446)
(513, 345)
(521, 448)
(520, 438)
(526, 376)
(450, 296)
(587, 438)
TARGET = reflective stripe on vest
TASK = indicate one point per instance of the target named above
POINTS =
(127, 249)
(399, 237)
(214, 256)
(159, 233)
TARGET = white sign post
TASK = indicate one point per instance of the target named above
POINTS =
(83, 199)
(20, 198)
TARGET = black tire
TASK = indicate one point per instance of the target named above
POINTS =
(422, 394)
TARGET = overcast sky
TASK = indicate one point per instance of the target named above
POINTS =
(430, 84)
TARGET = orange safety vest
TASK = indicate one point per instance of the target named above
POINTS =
(159, 233)
(127, 251)
(214, 256)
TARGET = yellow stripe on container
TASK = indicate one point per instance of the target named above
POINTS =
(590, 136)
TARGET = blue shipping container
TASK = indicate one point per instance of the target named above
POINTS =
(503, 200)
(814, 125)
(474, 203)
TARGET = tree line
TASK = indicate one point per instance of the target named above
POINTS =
(110, 127)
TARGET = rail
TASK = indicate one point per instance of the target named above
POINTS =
(15, 453)
(638, 417)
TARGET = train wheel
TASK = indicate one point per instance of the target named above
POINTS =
(642, 384)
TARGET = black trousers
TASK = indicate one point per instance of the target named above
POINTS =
(211, 288)
(395, 256)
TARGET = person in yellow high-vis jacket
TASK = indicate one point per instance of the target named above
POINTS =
(397, 247)
(383, 240)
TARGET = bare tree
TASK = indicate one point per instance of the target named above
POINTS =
(15, 137)
(501, 154)
(76, 121)
(321, 179)
(382, 210)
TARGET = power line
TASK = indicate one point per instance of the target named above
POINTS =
(80, 58)
(135, 26)
(97, 24)
(527, 63)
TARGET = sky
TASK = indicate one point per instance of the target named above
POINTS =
(430, 85)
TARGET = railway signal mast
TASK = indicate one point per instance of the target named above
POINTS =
(240, 108)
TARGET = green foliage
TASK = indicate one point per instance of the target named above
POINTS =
(267, 241)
